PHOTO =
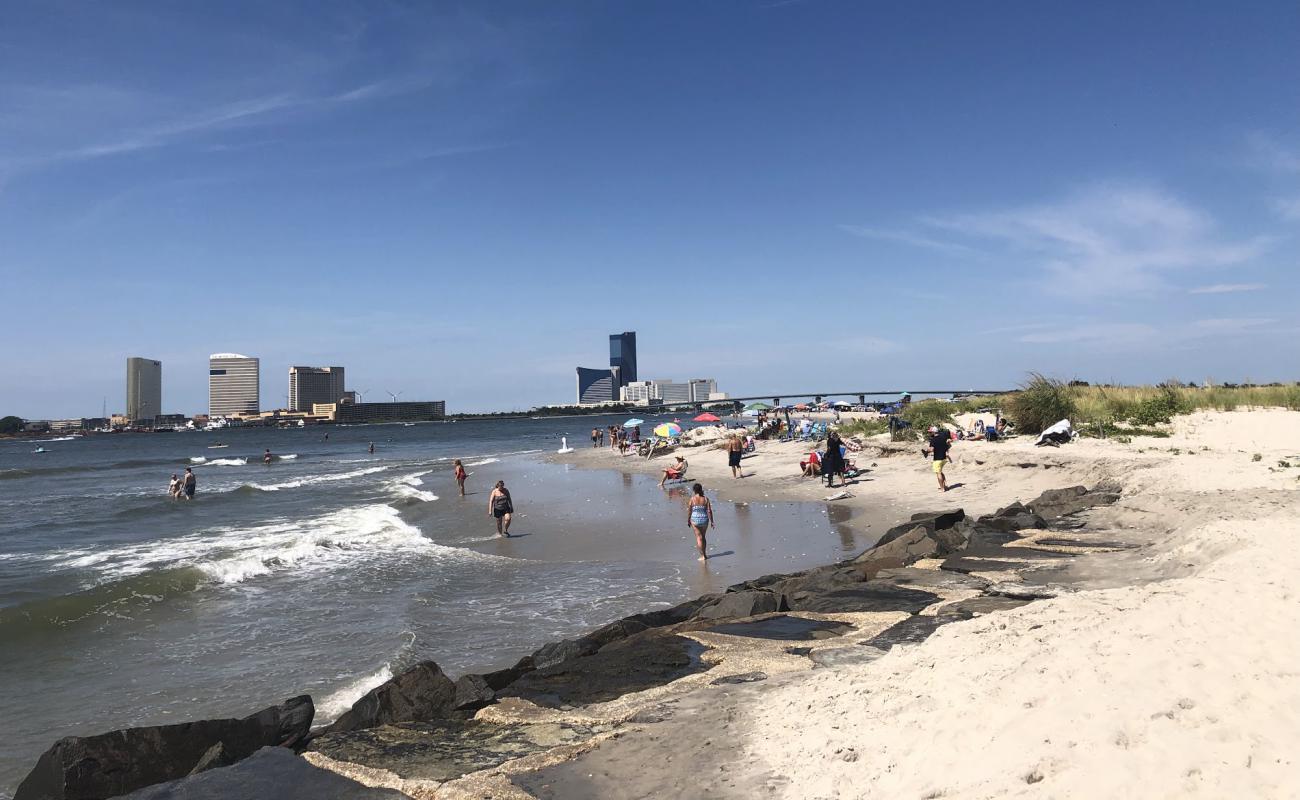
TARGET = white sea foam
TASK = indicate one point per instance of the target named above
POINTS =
(288, 456)
(405, 487)
(60, 439)
(312, 479)
(482, 463)
(229, 555)
(336, 703)
(226, 462)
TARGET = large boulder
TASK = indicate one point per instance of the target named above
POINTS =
(548, 655)
(867, 596)
(114, 763)
(930, 520)
(743, 604)
(909, 547)
(420, 694)
(1055, 503)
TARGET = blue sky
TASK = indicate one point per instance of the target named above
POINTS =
(461, 201)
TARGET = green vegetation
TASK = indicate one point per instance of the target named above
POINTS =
(10, 424)
(863, 427)
(1041, 402)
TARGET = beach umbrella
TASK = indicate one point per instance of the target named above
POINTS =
(632, 423)
(842, 403)
(753, 412)
(668, 430)
(757, 407)
(707, 417)
(801, 407)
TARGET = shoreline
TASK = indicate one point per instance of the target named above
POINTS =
(1163, 532)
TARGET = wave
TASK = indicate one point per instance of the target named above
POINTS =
(117, 598)
(288, 456)
(334, 704)
(312, 479)
(482, 463)
(59, 439)
(219, 462)
(32, 472)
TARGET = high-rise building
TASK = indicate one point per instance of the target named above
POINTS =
(143, 388)
(233, 385)
(311, 385)
(597, 386)
(671, 392)
(701, 388)
(622, 356)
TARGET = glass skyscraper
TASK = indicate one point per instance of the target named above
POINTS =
(622, 355)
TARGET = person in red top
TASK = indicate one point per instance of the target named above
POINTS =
(460, 476)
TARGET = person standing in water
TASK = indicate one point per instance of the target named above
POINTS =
(372, 448)
(266, 457)
(699, 516)
(174, 488)
(461, 475)
(735, 447)
(502, 507)
(189, 484)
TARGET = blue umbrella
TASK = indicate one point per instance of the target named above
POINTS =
(632, 423)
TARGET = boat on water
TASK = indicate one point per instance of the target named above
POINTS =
(217, 446)
(39, 450)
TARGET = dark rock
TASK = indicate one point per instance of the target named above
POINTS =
(839, 656)
(556, 652)
(122, 761)
(1095, 544)
(930, 520)
(472, 693)
(447, 749)
(671, 616)
(983, 537)
(784, 627)
(902, 550)
(1026, 592)
(976, 607)
(967, 565)
(868, 596)
(931, 579)
(272, 772)
(504, 677)
(744, 677)
(421, 694)
(819, 581)
(913, 630)
(1055, 503)
(646, 659)
(743, 604)
(1014, 522)
(765, 582)
(215, 757)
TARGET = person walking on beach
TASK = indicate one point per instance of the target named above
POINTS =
(940, 441)
(502, 507)
(461, 475)
(699, 516)
(735, 448)
(189, 483)
(833, 461)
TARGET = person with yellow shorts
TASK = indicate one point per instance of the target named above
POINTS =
(940, 441)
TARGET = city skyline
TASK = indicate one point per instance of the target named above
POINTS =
(899, 194)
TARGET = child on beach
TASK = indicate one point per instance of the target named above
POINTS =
(699, 516)
(460, 476)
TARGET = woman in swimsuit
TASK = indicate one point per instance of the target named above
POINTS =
(699, 515)
(501, 507)
(460, 476)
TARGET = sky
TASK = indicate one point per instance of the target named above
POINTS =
(461, 201)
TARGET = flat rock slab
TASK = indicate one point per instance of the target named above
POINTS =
(1010, 551)
(978, 606)
(913, 630)
(445, 750)
(272, 772)
(966, 565)
(744, 677)
(840, 656)
(1086, 544)
(642, 661)
(873, 595)
(931, 579)
(784, 627)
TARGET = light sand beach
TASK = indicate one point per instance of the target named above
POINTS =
(1169, 670)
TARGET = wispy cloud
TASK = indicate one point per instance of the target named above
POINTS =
(1226, 288)
(1230, 324)
(1110, 333)
(1106, 240)
(908, 238)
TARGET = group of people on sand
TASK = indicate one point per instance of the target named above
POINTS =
(620, 438)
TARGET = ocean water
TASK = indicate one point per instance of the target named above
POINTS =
(326, 571)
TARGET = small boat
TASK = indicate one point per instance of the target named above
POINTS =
(217, 446)
(39, 450)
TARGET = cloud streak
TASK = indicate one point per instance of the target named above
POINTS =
(1226, 288)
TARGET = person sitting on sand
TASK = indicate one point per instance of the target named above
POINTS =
(677, 472)
(812, 466)
(699, 516)
(502, 507)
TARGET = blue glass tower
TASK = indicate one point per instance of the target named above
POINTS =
(622, 355)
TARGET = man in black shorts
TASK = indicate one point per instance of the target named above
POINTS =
(735, 447)
(189, 483)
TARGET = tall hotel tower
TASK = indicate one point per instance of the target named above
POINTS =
(232, 384)
(143, 389)
(311, 385)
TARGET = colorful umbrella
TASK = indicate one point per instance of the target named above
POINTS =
(632, 423)
(801, 407)
(707, 417)
(668, 430)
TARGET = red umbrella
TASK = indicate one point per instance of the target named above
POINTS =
(707, 417)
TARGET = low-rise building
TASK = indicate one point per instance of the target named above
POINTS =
(405, 411)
